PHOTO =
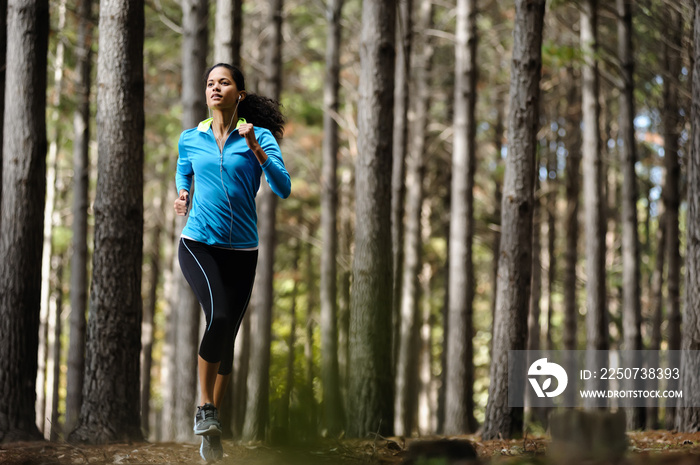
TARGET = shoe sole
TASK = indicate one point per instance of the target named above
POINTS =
(213, 430)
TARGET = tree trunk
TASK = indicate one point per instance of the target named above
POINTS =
(3, 67)
(628, 158)
(459, 380)
(228, 31)
(404, 38)
(22, 215)
(515, 259)
(371, 378)
(551, 210)
(114, 326)
(81, 185)
(671, 193)
(283, 419)
(596, 308)
(426, 423)
(631, 275)
(408, 363)
(334, 417)
(571, 223)
(534, 334)
(54, 366)
(344, 278)
(43, 387)
(148, 321)
(311, 409)
(257, 409)
(688, 418)
(656, 311)
(241, 356)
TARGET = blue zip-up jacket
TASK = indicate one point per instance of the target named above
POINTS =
(223, 210)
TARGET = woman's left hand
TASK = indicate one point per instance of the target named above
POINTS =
(247, 131)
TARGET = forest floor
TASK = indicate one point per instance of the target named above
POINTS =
(652, 447)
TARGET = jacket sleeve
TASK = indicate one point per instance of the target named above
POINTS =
(184, 173)
(275, 172)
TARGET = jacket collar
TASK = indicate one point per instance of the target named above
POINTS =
(206, 124)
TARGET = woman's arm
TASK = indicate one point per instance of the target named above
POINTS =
(268, 153)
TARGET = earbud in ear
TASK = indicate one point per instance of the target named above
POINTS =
(239, 97)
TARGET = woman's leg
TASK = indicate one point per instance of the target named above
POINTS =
(220, 386)
(208, 380)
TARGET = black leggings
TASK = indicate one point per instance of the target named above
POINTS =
(222, 280)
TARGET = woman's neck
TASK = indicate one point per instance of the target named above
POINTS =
(223, 122)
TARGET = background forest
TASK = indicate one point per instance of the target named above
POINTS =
(344, 338)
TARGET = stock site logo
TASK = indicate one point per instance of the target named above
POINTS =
(541, 368)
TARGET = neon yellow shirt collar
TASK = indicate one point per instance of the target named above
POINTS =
(206, 124)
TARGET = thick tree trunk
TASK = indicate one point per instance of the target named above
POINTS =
(515, 260)
(22, 215)
(79, 260)
(459, 380)
(334, 417)
(371, 378)
(688, 418)
(228, 31)
(596, 307)
(114, 326)
(407, 364)
(257, 409)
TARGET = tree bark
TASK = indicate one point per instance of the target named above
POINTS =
(404, 38)
(3, 68)
(408, 363)
(81, 185)
(631, 275)
(371, 379)
(571, 223)
(534, 333)
(688, 417)
(228, 31)
(54, 367)
(43, 386)
(671, 193)
(515, 259)
(114, 327)
(459, 380)
(596, 308)
(334, 416)
(21, 215)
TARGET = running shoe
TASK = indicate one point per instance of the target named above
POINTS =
(206, 421)
(211, 449)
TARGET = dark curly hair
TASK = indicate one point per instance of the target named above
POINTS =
(256, 109)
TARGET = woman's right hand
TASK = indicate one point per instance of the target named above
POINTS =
(182, 203)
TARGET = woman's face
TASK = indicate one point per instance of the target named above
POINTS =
(221, 91)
